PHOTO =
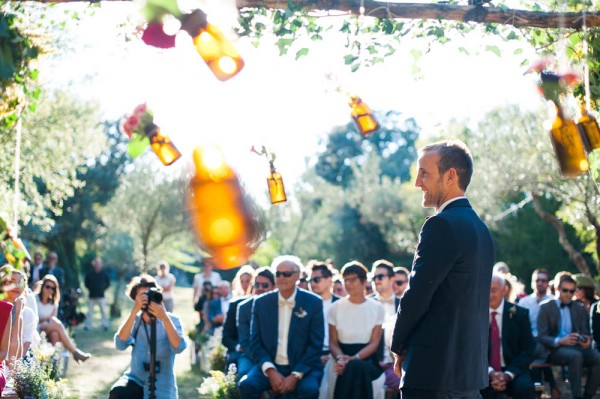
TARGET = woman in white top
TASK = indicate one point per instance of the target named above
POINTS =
(166, 281)
(48, 296)
(354, 336)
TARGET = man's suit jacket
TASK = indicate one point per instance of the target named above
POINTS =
(442, 325)
(214, 308)
(548, 321)
(57, 272)
(244, 319)
(306, 332)
(518, 345)
(230, 331)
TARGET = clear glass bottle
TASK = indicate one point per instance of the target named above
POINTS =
(568, 146)
(363, 117)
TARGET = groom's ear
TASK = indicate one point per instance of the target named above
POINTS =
(451, 176)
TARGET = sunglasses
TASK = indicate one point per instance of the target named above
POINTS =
(50, 287)
(380, 276)
(399, 283)
(567, 290)
(264, 286)
(317, 280)
(285, 274)
(541, 280)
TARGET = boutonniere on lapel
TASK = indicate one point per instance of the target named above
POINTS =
(301, 313)
(512, 311)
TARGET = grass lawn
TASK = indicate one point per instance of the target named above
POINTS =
(93, 379)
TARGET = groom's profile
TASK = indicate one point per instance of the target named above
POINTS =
(440, 341)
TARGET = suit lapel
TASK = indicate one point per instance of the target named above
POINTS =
(297, 306)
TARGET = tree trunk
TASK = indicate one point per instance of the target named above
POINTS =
(436, 11)
(115, 307)
(574, 255)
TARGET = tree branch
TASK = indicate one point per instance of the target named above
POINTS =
(450, 12)
(574, 255)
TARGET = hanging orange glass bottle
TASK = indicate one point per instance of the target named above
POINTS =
(163, 147)
(363, 117)
(276, 187)
(568, 146)
(222, 220)
(588, 127)
(215, 49)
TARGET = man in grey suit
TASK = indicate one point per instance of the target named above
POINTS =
(564, 329)
(440, 340)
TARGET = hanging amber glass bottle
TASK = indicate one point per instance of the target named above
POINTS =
(215, 49)
(363, 117)
(163, 147)
(276, 187)
(568, 146)
(221, 218)
(588, 127)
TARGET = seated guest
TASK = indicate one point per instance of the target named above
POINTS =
(540, 280)
(401, 281)
(48, 296)
(264, 281)
(217, 308)
(564, 329)
(585, 293)
(25, 324)
(511, 346)
(286, 338)
(383, 280)
(5, 325)
(354, 337)
(230, 338)
(338, 285)
(242, 282)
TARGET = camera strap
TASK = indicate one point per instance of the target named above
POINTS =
(137, 327)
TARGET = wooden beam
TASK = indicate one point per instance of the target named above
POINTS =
(451, 12)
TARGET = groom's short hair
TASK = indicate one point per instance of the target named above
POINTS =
(453, 154)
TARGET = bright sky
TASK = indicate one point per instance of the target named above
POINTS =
(284, 104)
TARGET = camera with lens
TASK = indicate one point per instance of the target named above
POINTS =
(154, 295)
(581, 338)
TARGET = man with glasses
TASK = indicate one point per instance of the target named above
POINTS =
(540, 280)
(401, 281)
(286, 338)
(564, 329)
(264, 281)
(384, 279)
(321, 283)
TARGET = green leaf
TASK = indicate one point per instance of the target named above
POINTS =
(349, 59)
(512, 36)
(503, 7)
(355, 67)
(493, 49)
(301, 52)
(137, 145)
(463, 50)
(7, 67)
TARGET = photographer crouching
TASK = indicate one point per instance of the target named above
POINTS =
(137, 331)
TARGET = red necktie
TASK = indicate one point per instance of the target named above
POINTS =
(495, 343)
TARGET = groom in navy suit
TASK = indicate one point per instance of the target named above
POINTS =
(440, 341)
(286, 338)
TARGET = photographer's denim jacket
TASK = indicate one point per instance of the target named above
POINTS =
(166, 386)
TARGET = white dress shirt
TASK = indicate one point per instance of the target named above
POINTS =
(445, 204)
(284, 313)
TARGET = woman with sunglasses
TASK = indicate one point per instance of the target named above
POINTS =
(48, 296)
(355, 328)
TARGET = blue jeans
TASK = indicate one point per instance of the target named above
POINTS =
(255, 383)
